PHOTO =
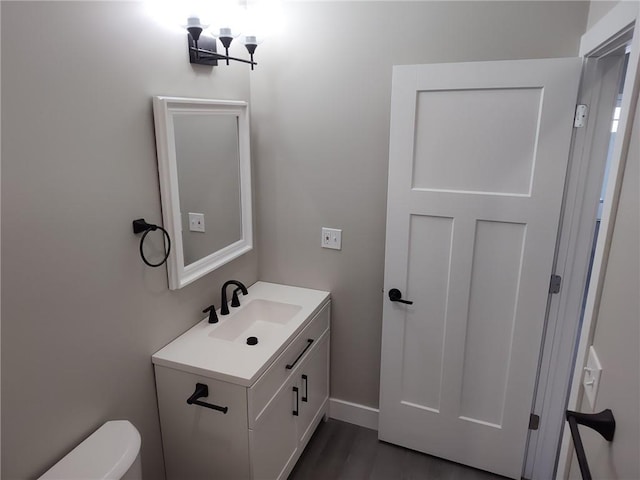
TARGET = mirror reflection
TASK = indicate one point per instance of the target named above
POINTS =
(209, 183)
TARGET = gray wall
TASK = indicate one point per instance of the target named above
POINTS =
(598, 9)
(320, 112)
(616, 338)
(81, 314)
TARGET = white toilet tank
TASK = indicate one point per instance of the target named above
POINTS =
(110, 453)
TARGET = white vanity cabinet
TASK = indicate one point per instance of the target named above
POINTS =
(270, 416)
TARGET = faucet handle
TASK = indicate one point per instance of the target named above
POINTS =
(235, 301)
(213, 318)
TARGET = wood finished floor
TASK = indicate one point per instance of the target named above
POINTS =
(342, 451)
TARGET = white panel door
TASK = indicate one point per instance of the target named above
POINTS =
(478, 156)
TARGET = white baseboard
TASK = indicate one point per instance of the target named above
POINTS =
(355, 413)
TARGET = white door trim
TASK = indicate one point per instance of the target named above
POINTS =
(608, 29)
(581, 199)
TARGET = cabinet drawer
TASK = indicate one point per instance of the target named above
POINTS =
(261, 393)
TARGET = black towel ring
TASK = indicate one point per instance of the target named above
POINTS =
(140, 226)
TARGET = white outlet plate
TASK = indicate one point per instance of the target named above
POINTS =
(591, 377)
(331, 238)
(196, 222)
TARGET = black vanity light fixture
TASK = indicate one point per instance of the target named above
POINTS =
(202, 48)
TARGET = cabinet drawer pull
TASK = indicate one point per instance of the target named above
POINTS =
(202, 390)
(309, 342)
(297, 410)
(305, 395)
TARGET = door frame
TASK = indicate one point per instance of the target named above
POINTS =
(560, 346)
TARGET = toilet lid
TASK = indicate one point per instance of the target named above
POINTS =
(106, 454)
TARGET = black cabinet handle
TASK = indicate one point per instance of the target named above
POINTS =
(395, 295)
(305, 395)
(297, 410)
(309, 342)
(202, 390)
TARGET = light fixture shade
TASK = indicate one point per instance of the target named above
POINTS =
(228, 31)
(194, 27)
(251, 40)
(194, 22)
(226, 35)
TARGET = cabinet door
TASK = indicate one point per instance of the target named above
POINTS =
(313, 377)
(274, 442)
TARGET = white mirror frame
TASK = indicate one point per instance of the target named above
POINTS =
(164, 108)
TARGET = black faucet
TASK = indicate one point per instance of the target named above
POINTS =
(224, 309)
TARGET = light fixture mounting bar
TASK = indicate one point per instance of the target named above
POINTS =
(218, 56)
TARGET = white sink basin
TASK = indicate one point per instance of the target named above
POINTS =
(259, 318)
(273, 313)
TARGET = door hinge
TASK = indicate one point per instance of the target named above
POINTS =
(534, 421)
(580, 118)
(554, 284)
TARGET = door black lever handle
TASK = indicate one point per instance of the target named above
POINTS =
(395, 295)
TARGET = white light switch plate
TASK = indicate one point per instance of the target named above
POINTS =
(331, 238)
(196, 222)
(591, 378)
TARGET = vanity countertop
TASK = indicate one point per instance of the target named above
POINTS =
(220, 350)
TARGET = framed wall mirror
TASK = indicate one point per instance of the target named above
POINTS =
(205, 183)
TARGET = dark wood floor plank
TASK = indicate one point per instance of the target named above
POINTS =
(317, 448)
(359, 464)
(388, 464)
(337, 456)
(343, 451)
